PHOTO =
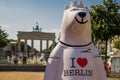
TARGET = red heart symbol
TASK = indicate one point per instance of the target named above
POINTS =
(82, 62)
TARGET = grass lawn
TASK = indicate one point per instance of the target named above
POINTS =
(27, 76)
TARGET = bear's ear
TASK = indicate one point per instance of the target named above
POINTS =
(73, 4)
(66, 7)
(87, 8)
(81, 5)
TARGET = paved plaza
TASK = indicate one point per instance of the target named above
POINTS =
(27, 76)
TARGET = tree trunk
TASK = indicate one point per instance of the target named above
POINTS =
(106, 51)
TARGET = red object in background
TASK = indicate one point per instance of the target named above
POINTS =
(108, 68)
(35, 52)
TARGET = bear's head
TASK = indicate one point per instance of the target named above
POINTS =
(76, 24)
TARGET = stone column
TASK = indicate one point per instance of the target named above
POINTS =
(47, 44)
(25, 45)
(18, 47)
(40, 46)
(53, 43)
(32, 44)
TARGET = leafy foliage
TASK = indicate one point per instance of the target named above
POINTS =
(117, 44)
(23, 47)
(105, 21)
(3, 38)
(49, 49)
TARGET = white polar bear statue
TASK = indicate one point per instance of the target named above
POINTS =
(75, 56)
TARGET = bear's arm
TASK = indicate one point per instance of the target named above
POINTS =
(100, 69)
(54, 63)
(99, 65)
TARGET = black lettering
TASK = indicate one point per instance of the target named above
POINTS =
(73, 64)
(87, 73)
(91, 73)
(84, 74)
(66, 72)
(77, 72)
(71, 72)
(81, 72)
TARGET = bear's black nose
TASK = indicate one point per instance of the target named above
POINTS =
(82, 14)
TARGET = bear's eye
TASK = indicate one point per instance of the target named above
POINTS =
(75, 9)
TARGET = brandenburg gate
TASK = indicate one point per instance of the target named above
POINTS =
(36, 34)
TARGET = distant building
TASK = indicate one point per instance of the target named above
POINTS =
(12, 46)
(115, 66)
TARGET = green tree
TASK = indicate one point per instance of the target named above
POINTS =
(52, 46)
(105, 21)
(29, 48)
(116, 42)
(117, 45)
(3, 38)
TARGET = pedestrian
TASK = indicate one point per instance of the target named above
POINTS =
(24, 59)
(15, 59)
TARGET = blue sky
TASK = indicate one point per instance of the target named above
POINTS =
(22, 15)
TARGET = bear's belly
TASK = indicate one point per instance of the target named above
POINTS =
(78, 65)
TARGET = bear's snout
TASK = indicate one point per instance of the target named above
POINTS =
(82, 14)
(81, 17)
